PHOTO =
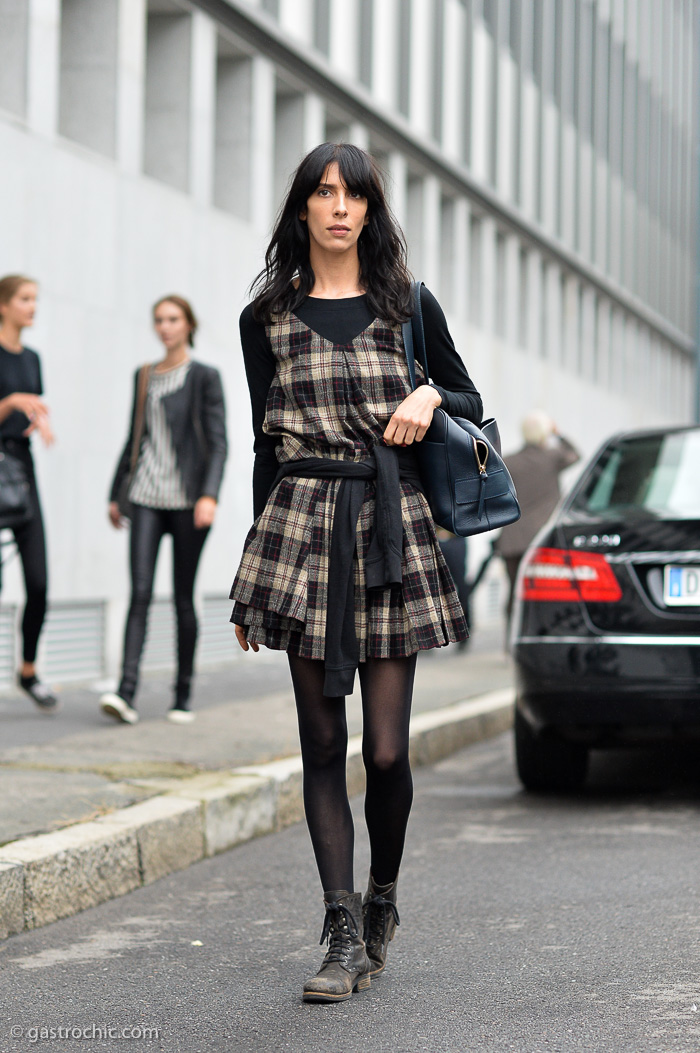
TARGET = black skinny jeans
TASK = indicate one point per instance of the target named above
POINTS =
(31, 545)
(148, 525)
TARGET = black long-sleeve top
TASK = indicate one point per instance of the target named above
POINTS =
(340, 321)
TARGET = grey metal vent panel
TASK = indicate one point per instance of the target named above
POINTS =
(216, 639)
(8, 662)
(73, 642)
(217, 642)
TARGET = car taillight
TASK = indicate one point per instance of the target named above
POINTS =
(556, 574)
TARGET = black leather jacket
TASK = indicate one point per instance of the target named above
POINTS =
(196, 416)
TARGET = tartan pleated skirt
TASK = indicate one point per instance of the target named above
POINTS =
(331, 400)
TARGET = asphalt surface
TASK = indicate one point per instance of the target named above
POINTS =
(529, 925)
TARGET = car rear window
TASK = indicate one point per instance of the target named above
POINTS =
(657, 473)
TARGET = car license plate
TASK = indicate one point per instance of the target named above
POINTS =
(682, 586)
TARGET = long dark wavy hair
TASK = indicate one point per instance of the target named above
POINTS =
(381, 246)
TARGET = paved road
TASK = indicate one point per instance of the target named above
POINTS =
(528, 926)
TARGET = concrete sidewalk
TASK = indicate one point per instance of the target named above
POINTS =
(96, 812)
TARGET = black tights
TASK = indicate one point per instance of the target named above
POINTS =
(148, 525)
(387, 689)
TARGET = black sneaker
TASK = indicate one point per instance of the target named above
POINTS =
(40, 694)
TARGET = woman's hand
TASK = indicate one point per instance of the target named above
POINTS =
(33, 407)
(241, 637)
(412, 418)
(204, 512)
(115, 516)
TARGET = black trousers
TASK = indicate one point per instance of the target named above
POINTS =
(31, 545)
(148, 525)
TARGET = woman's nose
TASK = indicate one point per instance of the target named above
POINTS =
(341, 207)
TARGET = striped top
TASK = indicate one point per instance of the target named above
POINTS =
(157, 481)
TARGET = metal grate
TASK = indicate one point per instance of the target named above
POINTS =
(8, 619)
(73, 642)
(217, 642)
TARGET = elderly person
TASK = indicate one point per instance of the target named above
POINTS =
(535, 470)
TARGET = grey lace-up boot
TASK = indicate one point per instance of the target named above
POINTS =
(380, 918)
(346, 967)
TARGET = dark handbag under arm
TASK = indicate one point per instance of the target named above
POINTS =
(466, 482)
(139, 421)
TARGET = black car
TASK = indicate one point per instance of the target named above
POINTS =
(606, 630)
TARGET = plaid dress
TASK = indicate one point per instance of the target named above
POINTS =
(332, 400)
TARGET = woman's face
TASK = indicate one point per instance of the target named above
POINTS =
(334, 215)
(170, 324)
(20, 310)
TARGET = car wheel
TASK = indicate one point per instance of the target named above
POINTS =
(547, 764)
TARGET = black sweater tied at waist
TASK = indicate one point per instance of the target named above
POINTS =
(387, 465)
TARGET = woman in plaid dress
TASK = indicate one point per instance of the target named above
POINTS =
(341, 567)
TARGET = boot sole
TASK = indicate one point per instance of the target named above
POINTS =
(361, 984)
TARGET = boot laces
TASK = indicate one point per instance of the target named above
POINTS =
(340, 930)
(378, 908)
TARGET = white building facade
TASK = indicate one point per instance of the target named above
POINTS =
(540, 156)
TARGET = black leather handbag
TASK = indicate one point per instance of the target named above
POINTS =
(15, 508)
(468, 486)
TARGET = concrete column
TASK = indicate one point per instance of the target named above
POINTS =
(296, 17)
(430, 235)
(88, 77)
(588, 334)
(488, 271)
(506, 143)
(345, 37)
(481, 101)
(451, 80)
(397, 186)
(131, 68)
(535, 294)
(168, 75)
(421, 73)
(14, 33)
(460, 270)
(553, 309)
(299, 126)
(358, 134)
(234, 122)
(385, 52)
(414, 227)
(202, 107)
(43, 63)
(262, 143)
(513, 292)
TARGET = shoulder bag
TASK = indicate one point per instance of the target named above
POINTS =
(466, 482)
(125, 506)
(15, 508)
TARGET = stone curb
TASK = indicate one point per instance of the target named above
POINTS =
(52, 876)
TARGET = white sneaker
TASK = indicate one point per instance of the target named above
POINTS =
(180, 716)
(114, 706)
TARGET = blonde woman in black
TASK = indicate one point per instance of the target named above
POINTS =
(173, 489)
(342, 568)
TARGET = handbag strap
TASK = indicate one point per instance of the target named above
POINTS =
(414, 337)
(140, 415)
